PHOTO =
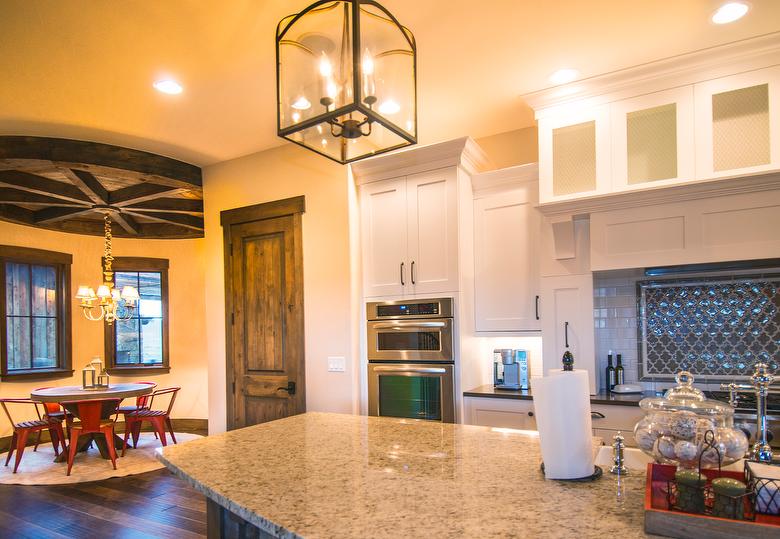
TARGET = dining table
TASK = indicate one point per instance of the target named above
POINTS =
(65, 395)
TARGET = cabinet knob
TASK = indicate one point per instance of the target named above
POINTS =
(530, 414)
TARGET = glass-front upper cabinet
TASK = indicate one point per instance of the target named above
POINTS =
(652, 140)
(738, 124)
(574, 154)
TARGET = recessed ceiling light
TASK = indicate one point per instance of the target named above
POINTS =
(730, 12)
(301, 104)
(562, 76)
(168, 86)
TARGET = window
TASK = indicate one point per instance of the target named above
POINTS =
(34, 313)
(140, 344)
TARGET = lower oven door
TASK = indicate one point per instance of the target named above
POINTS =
(413, 390)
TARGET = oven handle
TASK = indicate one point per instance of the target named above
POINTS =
(422, 370)
(391, 325)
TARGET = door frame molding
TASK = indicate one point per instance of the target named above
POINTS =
(295, 207)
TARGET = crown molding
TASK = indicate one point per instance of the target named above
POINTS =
(462, 152)
(663, 195)
(690, 68)
(505, 178)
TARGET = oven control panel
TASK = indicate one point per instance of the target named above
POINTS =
(413, 308)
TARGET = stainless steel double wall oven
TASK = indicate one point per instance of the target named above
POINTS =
(410, 359)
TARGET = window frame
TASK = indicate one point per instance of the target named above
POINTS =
(140, 264)
(63, 262)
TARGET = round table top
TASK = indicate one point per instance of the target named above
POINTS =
(76, 393)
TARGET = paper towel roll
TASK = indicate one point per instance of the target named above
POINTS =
(562, 408)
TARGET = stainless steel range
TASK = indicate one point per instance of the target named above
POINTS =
(745, 414)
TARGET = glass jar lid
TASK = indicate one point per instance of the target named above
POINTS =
(686, 397)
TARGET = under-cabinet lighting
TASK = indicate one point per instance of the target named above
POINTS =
(730, 12)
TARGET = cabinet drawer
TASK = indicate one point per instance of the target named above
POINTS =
(504, 413)
(622, 418)
(607, 435)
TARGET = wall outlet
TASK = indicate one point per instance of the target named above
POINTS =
(336, 364)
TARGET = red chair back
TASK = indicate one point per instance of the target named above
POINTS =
(50, 407)
(172, 391)
(5, 402)
(144, 400)
(91, 412)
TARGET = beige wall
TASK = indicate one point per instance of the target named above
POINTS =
(512, 148)
(275, 174)
(186, 308)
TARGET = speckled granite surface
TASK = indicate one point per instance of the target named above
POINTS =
(332, 475)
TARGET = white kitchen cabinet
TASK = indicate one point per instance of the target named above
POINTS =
(432, 231)
(652, 140)
(567, 318)
(501, 413)
(574, 154)
(506, 260)
(410, 234)
(737, 124)
(609, 419)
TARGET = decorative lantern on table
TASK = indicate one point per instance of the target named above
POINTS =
(88, 377)
(102, 379)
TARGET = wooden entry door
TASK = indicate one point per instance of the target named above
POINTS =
(264, 312)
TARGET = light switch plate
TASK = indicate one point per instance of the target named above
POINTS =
(336, 364)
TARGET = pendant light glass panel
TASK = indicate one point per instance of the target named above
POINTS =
(344, 105)
(388, 68)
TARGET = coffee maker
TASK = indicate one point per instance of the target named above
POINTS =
(510, 369)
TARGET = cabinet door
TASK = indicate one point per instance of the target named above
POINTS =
(737, 124)
(433, 232)
(500, 413)
(383, 224)
(567, 317)
(506, 262)
(652, 140)
(574, 155)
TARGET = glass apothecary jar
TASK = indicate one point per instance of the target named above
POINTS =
(672, 430)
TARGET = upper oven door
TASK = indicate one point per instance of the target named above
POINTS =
(419, 340)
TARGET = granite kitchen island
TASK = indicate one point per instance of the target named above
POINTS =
(332, 475)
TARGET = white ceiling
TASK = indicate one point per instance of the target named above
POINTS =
(83, 69)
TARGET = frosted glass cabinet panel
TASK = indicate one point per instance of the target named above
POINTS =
(652, 139)
(574, 155)
(738, 125)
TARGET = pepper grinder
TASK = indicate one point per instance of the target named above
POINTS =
(618, 466)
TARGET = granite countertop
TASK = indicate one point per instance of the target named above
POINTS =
(603, 397)
(333, 475)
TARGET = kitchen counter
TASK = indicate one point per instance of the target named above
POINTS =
(604, 397)
(333, 475)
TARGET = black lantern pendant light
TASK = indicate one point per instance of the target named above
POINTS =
(346, 76)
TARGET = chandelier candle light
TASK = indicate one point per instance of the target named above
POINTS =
(113, 304)
(346, 80)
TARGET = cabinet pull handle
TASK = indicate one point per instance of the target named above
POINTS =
(565, 333)
(597, 415)
(412, 271)
(537, 307)
(402, 274)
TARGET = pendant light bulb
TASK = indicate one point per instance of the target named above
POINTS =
(368, 63)
(326, 69)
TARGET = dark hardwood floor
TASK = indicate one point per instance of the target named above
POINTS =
(154, 504)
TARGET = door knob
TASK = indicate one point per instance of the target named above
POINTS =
(289, 389)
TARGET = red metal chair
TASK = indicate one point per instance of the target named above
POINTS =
(94, 416)
(23, 429)
(141, 403)
(55, 412)
(159, 419)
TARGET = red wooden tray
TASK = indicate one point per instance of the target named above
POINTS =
(662, 520)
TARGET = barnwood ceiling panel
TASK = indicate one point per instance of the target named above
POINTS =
(68, 185)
